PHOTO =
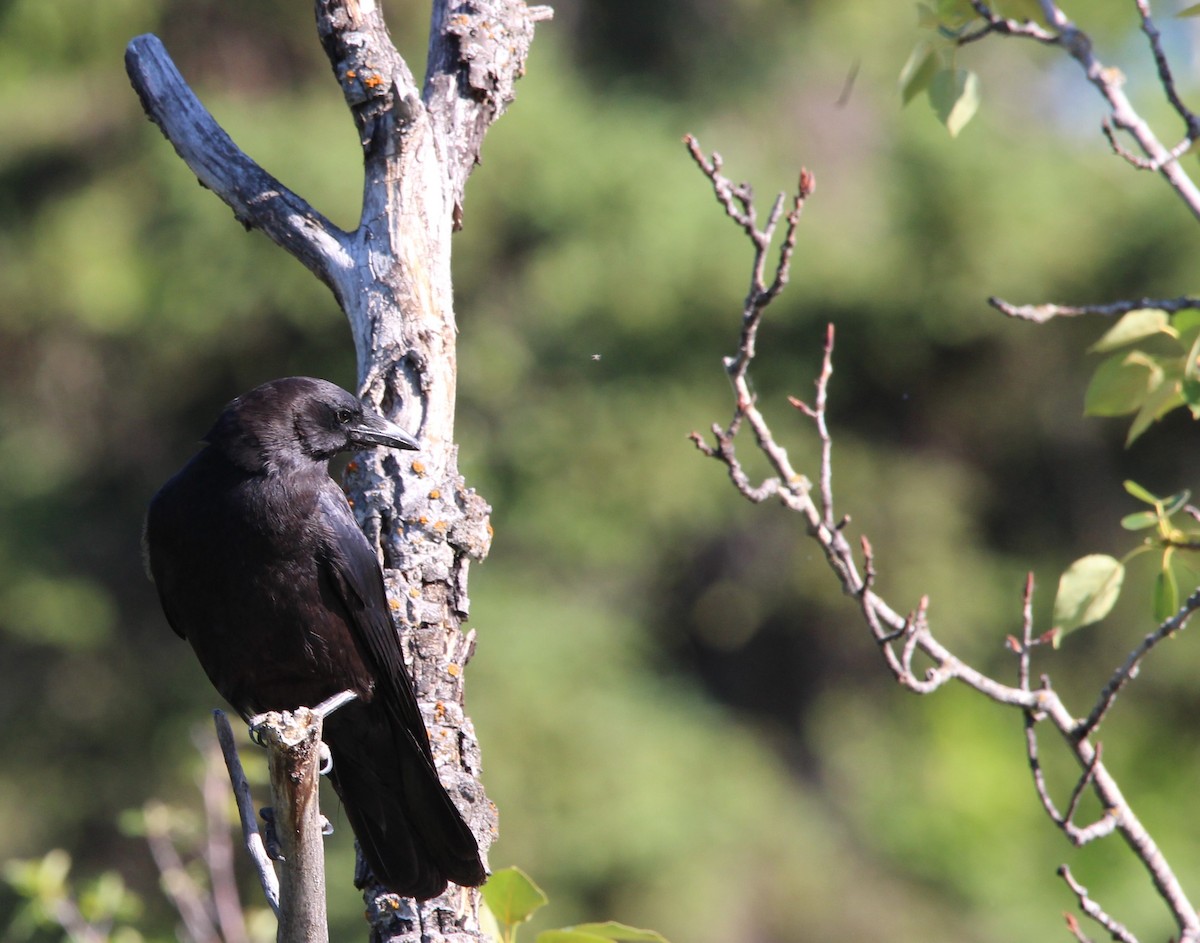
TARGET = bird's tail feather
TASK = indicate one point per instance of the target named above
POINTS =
(410, 831)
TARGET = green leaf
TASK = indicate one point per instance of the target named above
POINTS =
(1140, 520)
(927, 17)
(1133, 488)
(1186, 322)
(619, 931)
(1193, 10)
(918, 71)
(512, 896)
(1190, 388)
(1166, 593)
(955, 13)
(1087, 591)
(954, 94)
(597, 932)
(1164, 396)
(1133, 326)
(1121, 384)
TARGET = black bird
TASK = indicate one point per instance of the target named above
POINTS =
(261, 566)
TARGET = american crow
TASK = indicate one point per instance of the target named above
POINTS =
(261, 566)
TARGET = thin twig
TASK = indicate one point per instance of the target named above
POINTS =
(888, 627)
(816, 413)
(1075, 929)
(1006, 26)
(251, 836)
(1026, 634)
(1129, 669)
(1142, 163)
(1094, 910)
(1109, 82)
(1165, 78)
(1042, 313)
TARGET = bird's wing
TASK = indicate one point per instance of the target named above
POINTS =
(160, 575)
(358, 581)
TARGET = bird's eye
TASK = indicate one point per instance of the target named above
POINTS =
(343, 415)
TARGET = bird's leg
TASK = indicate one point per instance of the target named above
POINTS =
(257, 721)
(330, 704)
(323, 710)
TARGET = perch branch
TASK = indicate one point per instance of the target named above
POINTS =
(293, 740)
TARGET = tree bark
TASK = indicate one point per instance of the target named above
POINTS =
(391, 276)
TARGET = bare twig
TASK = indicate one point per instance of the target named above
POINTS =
(1128, 671)
(1165, 78)
(817, 414)
(251, 836)
(1042, 313)
(913, 634)
(1094, 910)
(1075, 929)
(1109, 82)
(1006, 26)
(1142, 163)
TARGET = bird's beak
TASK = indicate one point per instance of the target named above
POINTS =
(375, 430)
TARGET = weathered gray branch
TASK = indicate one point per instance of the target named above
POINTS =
(257, 199)
(477, 51)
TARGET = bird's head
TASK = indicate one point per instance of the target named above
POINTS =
(299, 420)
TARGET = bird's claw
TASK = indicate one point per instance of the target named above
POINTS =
(326, 760)
(256, 723)
(270, 839)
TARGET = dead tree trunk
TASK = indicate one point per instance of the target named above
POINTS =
(391, 277)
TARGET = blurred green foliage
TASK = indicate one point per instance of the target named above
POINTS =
(683, 724)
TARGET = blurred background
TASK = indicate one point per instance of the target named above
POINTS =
(683, 721)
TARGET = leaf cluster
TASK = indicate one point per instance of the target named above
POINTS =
(932, 66)
(102, 908)
(1089, 588)
(1147, 381)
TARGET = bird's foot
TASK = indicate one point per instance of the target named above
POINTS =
(256, 724)
(326, 760)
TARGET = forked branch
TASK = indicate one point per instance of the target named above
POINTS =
(902, 639)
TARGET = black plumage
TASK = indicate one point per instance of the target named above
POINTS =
(261, 566)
